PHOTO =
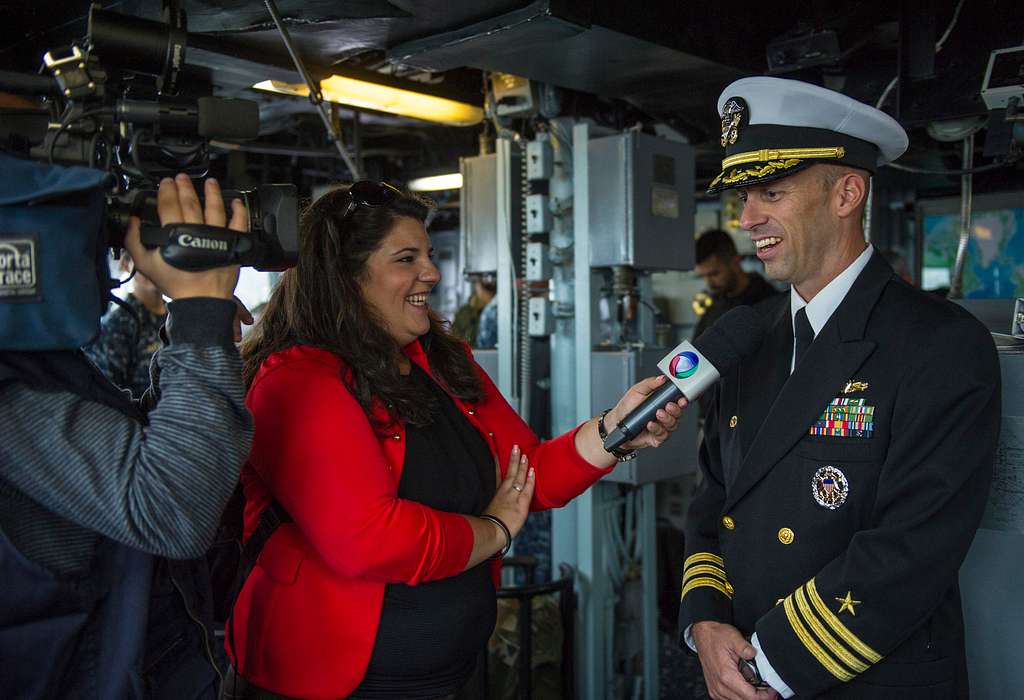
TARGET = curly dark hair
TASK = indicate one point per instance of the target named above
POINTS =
(320, 303)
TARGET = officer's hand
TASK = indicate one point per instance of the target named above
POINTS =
(657, 431)
(720, 648)
(177, 202)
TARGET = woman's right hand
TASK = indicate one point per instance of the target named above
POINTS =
(510, 505)
(511, 502)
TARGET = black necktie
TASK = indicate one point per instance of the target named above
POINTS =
(803, 334)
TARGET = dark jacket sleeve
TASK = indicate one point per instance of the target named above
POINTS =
(111, 349)
(706, 591)
(930, 498)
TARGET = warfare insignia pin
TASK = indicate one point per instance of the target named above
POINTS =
(854, 386)
(734, 115)
(829, 488)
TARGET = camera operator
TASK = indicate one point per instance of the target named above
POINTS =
(107, 504)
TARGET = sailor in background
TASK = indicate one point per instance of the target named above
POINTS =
(728, 284)
(846, 466)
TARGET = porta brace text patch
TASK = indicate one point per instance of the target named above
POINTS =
(19, 280)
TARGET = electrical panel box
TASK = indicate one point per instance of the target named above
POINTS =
(614, 371)
(538, 214)
(541, 323)
(540, 160)
(1004, 78)
(641, 202)
(538, 263)
(478, 200)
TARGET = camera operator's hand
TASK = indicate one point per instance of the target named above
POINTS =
(177, 202)
(243, 317)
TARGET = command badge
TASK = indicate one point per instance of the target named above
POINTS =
(829, 487)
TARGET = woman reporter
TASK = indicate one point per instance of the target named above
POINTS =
(402, 466)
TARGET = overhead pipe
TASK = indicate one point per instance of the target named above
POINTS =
(966, 205)
(315, 95)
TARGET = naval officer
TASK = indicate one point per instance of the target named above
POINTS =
(846, 465)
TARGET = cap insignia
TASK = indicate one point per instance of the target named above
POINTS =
(734, 115)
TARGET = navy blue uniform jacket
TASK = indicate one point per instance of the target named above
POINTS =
(860, 600)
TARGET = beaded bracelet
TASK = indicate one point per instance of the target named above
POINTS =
(602, 432)
(504, 528)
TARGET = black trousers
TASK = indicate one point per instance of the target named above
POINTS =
(237, 687)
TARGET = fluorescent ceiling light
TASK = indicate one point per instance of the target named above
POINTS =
(384, 98)
(435, 183)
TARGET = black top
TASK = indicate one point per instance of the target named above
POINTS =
(430, 635)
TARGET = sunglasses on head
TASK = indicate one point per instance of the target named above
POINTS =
(369, 193)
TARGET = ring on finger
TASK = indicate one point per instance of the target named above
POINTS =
(517, 487)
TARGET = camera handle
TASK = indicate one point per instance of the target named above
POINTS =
(196, 247)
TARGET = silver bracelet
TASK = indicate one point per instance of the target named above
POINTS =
(504, 528)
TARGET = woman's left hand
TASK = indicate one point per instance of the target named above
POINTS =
(656, 431)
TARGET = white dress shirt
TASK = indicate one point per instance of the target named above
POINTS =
(825, 302)
(819, 311)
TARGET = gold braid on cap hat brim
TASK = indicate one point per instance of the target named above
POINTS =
(777, 159)
(748, 173)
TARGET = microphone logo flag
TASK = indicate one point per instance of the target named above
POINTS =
(684, 365)
(688, 369)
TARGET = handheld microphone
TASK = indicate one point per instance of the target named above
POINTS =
(694, 367)
(208, 117)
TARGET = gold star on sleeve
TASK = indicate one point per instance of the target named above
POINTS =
(847, 603)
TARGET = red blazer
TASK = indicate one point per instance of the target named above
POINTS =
(306, 620)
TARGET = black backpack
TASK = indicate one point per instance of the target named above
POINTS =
(230, 561)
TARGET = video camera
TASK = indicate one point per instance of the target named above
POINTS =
(106, 112)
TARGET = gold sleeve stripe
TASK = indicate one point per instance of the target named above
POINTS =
(704, 581)
(812, 646)
(703, 569)
(838, 650)
(703, 556)
(839, 628)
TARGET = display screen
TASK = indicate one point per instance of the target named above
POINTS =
(994, 268)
